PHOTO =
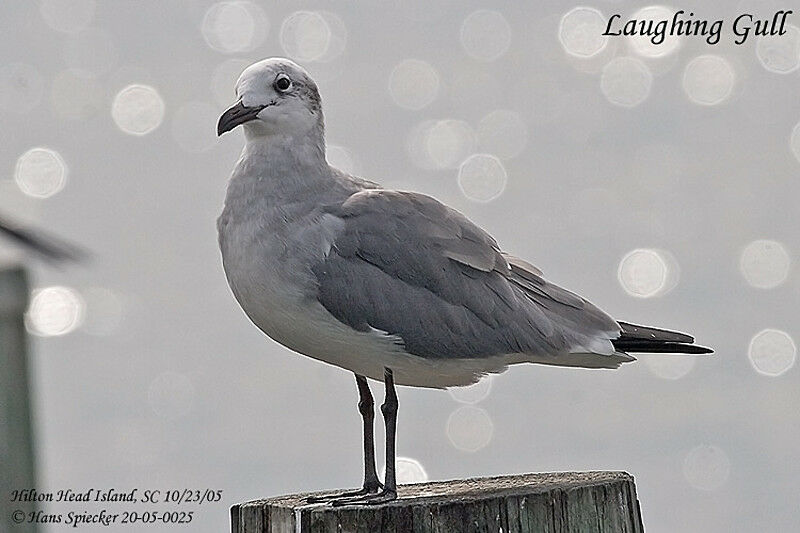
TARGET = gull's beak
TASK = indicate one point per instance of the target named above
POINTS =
(236, 115)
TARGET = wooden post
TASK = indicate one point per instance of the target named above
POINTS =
(16, 436)
(579, 502)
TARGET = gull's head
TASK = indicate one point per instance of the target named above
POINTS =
(274, 97)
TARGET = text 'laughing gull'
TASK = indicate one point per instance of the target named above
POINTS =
(390, 285)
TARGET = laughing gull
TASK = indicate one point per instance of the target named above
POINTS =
(390, 285)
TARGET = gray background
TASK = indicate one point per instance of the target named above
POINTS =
(165, 384)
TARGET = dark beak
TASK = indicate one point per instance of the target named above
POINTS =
(237, 115)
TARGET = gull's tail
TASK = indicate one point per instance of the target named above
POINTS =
(641, 339)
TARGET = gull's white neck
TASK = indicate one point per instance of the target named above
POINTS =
(300, 152)
(300, 149)
(277, 169)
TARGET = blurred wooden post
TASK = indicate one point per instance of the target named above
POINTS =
(16, 436)
(579, 502)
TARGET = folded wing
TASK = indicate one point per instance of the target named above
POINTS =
(412, 267)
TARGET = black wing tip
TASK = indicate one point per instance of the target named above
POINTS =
(634, 331)
(645, 339)
(645, 346)
(703, 350)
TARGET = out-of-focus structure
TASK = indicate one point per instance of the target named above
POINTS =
(17, 469)
(17, 456)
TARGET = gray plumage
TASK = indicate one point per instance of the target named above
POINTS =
(408, 265)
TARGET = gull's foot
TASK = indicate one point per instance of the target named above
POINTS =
(378, 498)
(353, 494)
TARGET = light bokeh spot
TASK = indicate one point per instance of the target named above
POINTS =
(469, 428)
(417, 145)
(474, 393)
(644, 273)
(643, 44)
(485, 35)
(448, 142)
(337, 43)
(670, 366)
(68, 16)
(40, 172)
(54, 311)
(408, 470)
(708, 80)
(765, 263)
(626, 81)
(780, 53)
(21, 88)
(234, 27)
(305, 36)
(581, 32)
(138, 109)
(413, 84)
(482, 177)
(706, 467)
(772, 352)
(502, 132)
(171, 395)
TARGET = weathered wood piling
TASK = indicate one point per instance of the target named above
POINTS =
(584, 502)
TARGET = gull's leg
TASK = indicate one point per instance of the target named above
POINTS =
(389, 410)
(366, 406)
(389, 491)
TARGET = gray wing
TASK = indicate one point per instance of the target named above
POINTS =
(412, 267)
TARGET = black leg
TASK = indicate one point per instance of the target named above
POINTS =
(389, 411)
(366, 406)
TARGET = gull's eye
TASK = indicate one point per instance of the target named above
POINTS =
(282, 83)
